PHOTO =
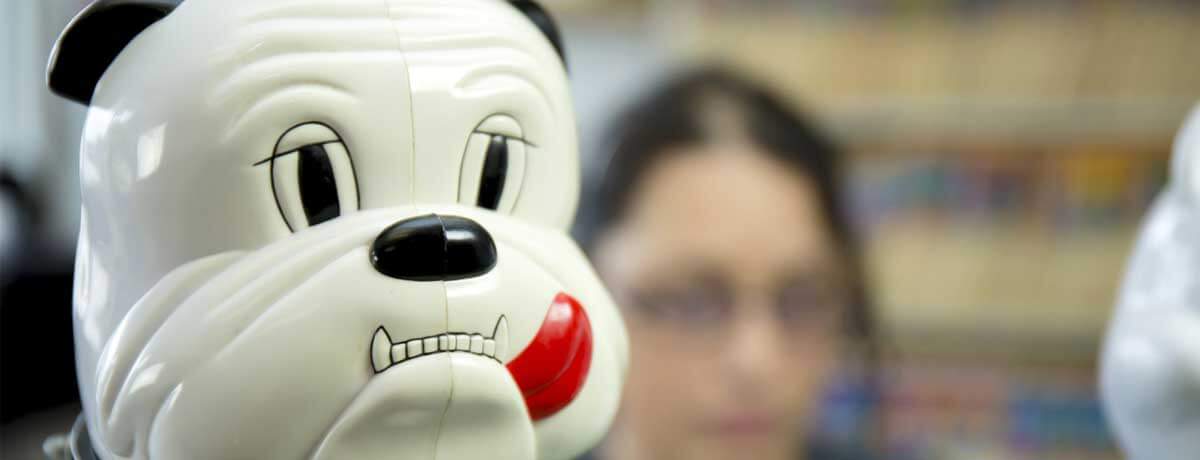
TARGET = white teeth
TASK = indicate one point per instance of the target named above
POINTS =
(431, 345)
(501, 338)
(381, 349)
(399, 353)
(385, 354)
(477, 344)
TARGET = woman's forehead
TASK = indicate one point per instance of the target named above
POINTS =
(729, 206)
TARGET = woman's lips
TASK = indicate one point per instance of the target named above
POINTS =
(744, 424)
(551, 371)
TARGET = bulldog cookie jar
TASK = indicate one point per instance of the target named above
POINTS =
(332, 229)
(1150, 370)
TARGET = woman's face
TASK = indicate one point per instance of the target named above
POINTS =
(733, 296)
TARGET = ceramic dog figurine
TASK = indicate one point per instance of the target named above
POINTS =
(332, 229)
(1150, 375)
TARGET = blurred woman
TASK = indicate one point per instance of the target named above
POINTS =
(719, 227)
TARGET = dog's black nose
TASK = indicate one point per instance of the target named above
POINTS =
(434, 248)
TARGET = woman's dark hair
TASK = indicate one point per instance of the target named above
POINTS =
(674, 115)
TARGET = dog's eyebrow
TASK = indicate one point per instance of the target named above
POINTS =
(272, 157)
(518, 139)
(280, 41)
(240, 118)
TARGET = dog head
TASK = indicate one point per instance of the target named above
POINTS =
(335, 229)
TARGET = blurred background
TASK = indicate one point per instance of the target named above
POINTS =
(1001, 155)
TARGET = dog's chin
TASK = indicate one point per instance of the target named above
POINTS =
(451, 405)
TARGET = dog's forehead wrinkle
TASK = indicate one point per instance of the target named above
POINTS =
(245, 34)
(489, 79)
(443, 9)
(478, 31)
(444, 26)
(252, 76)
(258, 79)
(269, 47)
(315, 10)
(253, 106)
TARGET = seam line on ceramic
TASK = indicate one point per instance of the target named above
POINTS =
(412, 115)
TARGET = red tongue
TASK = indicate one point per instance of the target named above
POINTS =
(551, 371)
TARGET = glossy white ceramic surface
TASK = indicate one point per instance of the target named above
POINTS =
(207, 328)
(1150, 376)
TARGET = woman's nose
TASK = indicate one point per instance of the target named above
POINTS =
(434, 248)
(753, 346)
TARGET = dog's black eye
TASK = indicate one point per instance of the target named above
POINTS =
(318, 186)
(493, 167)
(495, 171)
(312, 176)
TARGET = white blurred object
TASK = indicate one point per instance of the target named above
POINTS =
(10, 231)
(33, 148)
(57, 447)
(1150, 369)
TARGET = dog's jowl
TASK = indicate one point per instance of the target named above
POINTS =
(332, 229)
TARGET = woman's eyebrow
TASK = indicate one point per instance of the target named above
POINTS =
(685, 272)
(707, 272)
(815, 275)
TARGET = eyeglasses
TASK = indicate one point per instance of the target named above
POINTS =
(707, 305)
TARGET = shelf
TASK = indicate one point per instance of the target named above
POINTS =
(1119, 72)
(995, 289)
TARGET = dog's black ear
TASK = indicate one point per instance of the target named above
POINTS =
(93, 40)
(543, 21)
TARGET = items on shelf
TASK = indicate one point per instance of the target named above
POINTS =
(974, 412)
(1065, 189)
